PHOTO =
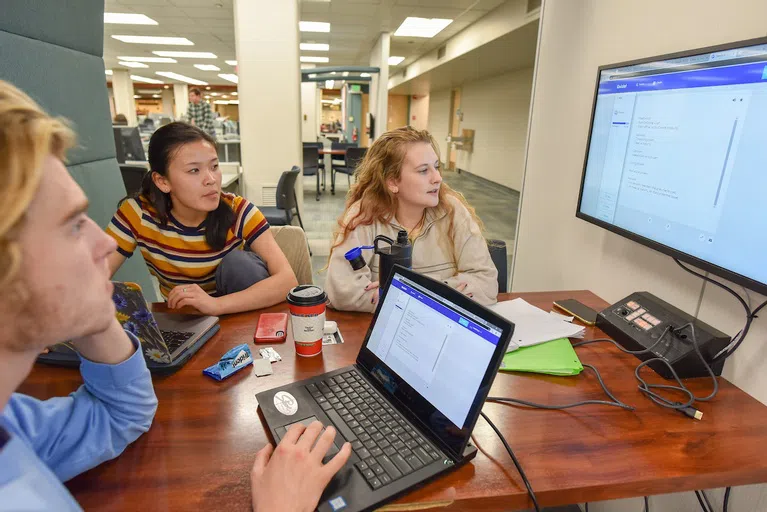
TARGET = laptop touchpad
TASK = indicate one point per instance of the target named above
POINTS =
(280, 431)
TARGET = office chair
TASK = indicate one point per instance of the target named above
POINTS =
(497, 250)
(311, 165)
(353, 157)
(282, 213)
(133, 177)
(321, 158)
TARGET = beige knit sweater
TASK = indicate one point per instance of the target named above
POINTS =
(465, 259)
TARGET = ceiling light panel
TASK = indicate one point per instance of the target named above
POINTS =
(128, 18)
(421, 27)
(207, 67)
(395, 59)
(310, 58)
(181, 78)
(130, 64)
(313, 26)
(315, 47)
(137, 78)
(230, 77)
(178, 41)
(186, 55)
(165, 60)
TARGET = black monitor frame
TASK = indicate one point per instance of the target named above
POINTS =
(707, 266)
(124, 135)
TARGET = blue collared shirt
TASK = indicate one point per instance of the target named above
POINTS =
(50, 441)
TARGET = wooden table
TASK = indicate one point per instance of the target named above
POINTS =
(199, 451)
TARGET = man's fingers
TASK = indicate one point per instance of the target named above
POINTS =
(307, 439)
(324, 443)
(335, 464)
(262, 458)
(293, 433)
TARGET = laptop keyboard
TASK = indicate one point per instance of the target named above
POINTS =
(388, 447)
(174, 339)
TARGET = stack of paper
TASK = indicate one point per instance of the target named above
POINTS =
(555, 357)
(532, 325)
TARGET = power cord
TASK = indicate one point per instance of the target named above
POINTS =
(750, 315)
(705, 505)
(686, 407)
(614, 403)
(726, 499)
(516, 462)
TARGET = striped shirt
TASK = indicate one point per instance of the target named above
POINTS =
(177, 254)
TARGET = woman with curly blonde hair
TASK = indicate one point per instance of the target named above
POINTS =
(399, 186)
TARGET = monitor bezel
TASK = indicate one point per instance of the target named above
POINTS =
(700, 263)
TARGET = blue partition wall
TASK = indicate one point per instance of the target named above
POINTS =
(52, 50)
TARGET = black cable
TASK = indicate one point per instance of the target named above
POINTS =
(700, 500)
(726, 499)
(646, 388)
(587, 507)
(615, 402)
(708, 503)
(750, 315)
(646, 504)
(516, 462)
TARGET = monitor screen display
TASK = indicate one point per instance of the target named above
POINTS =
(677, 157)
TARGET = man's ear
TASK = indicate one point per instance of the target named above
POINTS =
(161, 182)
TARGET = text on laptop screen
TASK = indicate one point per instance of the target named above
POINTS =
(677, 157)
(439, 349)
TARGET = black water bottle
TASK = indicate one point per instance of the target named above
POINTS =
(395, 253)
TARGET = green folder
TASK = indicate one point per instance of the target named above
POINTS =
(555, 357)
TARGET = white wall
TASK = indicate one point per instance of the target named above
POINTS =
(379, 92)
(439, 119)
(419, 108)
(270, 124)
(557, 251)
(497, 109)
(309, 121)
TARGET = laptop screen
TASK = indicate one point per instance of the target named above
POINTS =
(439, 358)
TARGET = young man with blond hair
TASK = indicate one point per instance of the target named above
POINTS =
(48, 296)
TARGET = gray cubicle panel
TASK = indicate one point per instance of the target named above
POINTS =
(53, 52)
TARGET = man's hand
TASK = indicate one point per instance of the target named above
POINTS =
(193, 295)
(110, 346)
(293, 477)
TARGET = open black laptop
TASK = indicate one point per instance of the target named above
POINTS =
(410, 403)
(168, 340)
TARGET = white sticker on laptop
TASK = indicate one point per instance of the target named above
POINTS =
(285, 403)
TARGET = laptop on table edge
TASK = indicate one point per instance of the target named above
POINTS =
(410, 402)
(168, 340)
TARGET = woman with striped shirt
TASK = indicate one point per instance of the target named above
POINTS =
(192, 235)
